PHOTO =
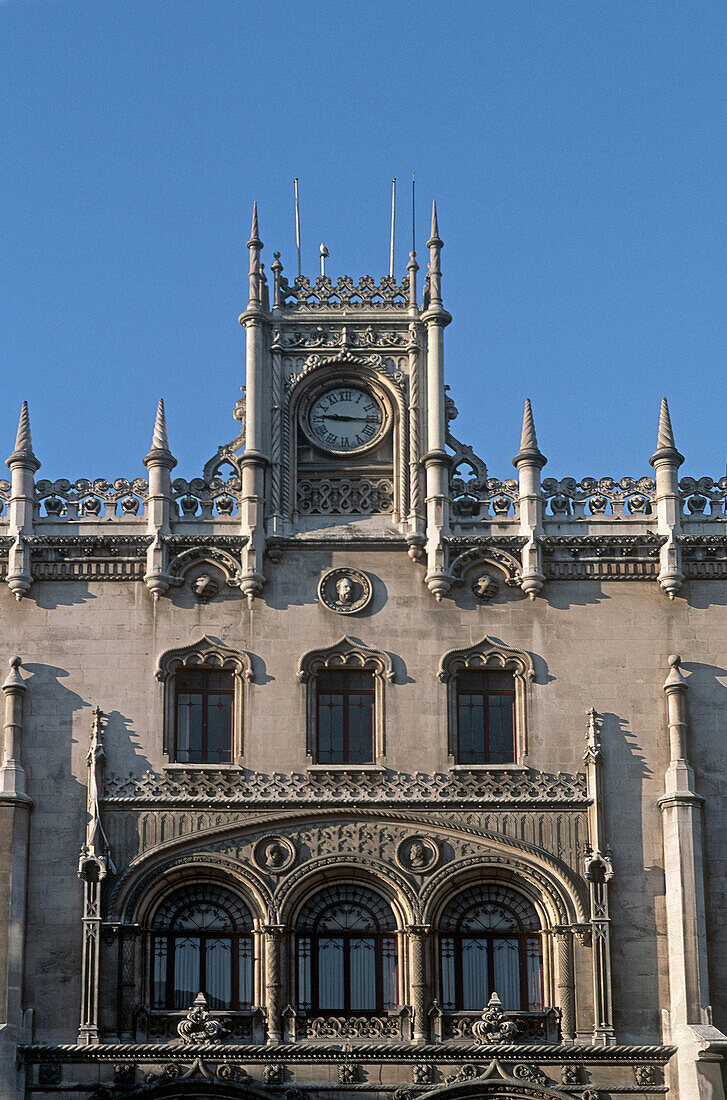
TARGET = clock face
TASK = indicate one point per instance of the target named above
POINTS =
(345, 419)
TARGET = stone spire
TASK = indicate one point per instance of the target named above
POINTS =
(434, 276)
(665, 445)
(529, 450)
(255, 276)
(23, 453)
(159, 440)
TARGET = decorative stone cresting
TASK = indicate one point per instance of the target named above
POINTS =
(198, 1026)
(492, 1026)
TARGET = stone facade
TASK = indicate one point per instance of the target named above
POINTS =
(304, 551)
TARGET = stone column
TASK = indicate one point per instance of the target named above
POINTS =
(15, 807)
(529, 462)
(23, 466)
(566, 981)
(88, 1029)
(274, 934)
(599, 871)
(417, 935)
(436, 461)
(699, 1044)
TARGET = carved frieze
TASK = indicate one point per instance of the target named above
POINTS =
(245, 787)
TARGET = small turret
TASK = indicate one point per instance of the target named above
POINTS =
(666, 461)
(529, 461)
(159, 462)
(23, 466)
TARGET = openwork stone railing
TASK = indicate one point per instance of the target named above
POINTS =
(4, 494)
(322, 294)
(323, 496)
(598, 496)
(394, 1026)
(703, 496)
(242, 1027)
(84, 499)
(528, 1027)
(200, 499)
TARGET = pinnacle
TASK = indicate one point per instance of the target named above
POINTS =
(159, 440)
(435, 227)
(528, 439)
(23, 443)
(254, 231)
(666, 434)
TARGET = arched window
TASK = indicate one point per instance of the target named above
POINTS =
(201, 943)
(490, 943)
(346, 952)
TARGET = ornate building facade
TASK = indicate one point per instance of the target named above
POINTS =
(348, 768)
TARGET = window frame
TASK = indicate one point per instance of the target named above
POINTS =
(385, 939)
(204, 655)
(489, 655)
(486, 694)
(205, 691)
(350, 655)
(457, 935)
(236, 936)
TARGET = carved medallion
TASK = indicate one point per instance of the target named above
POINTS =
(274, 854)
(345, 591)
(418, 854)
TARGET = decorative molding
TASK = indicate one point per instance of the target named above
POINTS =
(365, 294)
(345, 591)
(346, 653)
(330, 494)
(190, 787)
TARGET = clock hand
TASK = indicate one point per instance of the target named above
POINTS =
(362, 419)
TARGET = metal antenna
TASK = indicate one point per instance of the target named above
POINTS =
(413, 219)
(393, 222)
(324, 256)
(297, 223)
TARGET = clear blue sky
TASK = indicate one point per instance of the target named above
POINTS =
(576, 150)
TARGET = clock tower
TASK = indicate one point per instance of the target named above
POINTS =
(345, 418)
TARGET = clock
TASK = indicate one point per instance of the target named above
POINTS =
(345, 419)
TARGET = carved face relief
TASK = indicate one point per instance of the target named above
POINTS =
(345, 591)
(419, 854)
(274, 854)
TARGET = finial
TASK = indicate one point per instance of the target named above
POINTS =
(254, 241)
(23, 442)
(434, 236)
(14, 679)
(159, 440)
(665, 445)
(529, 450)
(676, 678)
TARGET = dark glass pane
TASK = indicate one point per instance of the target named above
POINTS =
(159, 972)
(360, 729)
(501, 732)
(219, 729)
(346, 916)
(471, 725)
(362, 963)
(534, 958)
(476, 989)
(189, 728)
(388, 948)
(449, 1000)
(330, 973)
(485, 681)
(218, 971)
(506, 953)
(330, 729)
(202, 916)
(245, 973)
(186, 970)
(304, 973)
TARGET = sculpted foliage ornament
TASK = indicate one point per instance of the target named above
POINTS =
(492, 1026)
(198, 1026)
